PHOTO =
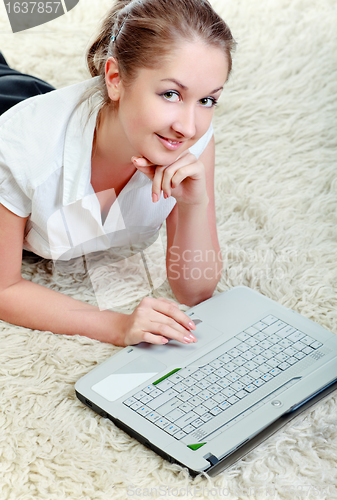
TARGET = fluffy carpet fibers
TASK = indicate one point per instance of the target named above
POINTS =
(276, 201)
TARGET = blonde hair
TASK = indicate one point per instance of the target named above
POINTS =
(140, 33)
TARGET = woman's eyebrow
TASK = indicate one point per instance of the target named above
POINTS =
(173, 80)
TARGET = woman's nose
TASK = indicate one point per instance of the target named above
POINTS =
(185, 122)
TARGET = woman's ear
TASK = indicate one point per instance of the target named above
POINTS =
(112, 79)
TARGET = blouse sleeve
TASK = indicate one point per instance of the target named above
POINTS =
(12, 195)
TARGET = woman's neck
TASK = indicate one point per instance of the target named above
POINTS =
(111, 147)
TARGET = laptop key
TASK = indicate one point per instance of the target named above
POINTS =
(144, 410)
(188, 382)
(152, 416)
(284, 366)
(172, 429)
(237, 386)
(307, 340)
(258, 382)
(136, 405)
(162, 399)
(216, 363)
(224, 405)
(162, 422)
(225, 358)
(208, 369)
(299, 355)
(189, 428)
(206, 417)
(228, 392)
(251, 365)
(264, 368)
(165, 384)
(130, 401)
(139, 395)
(221, 372)
(186, 419)
(275, 371)
(146, 399)
(200, 410)
(308, 350)
(205, 394)
(186, 407)
(175, 414)
(292, 360)
(198, 375)
(316, 344)
(212, 379)
(275, 327)
(195, 401)
(233, 377)
(243, 336)
(180, 387)
(215, 411)
(194, 390)
(180, 434)
(241, 394)
(219, 398)
(197, 423)
(169, 406)
(233, 399)
(241, 370)
(210, 404)
(250, 387)
(203, 384)
(184, 396)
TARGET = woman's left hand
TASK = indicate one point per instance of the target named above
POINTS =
(184, 179)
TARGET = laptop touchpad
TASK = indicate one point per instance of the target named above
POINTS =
(128, 377)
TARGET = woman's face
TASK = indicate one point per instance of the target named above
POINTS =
(166, 110)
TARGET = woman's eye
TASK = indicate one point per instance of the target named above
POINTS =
(171, 96)
(208, 102)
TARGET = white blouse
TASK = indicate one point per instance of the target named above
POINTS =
(45, 173)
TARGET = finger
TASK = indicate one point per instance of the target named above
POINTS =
(149, 171)
(140, 161)
(170, 309)
(168, 332)
(189, 166)
(151, 338)
(156, 183)
(171, 327)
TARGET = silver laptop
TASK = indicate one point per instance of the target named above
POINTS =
(256, 365)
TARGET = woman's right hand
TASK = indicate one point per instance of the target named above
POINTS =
(157, 321)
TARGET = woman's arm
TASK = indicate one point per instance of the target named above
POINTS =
(31, 305)
(194, 263)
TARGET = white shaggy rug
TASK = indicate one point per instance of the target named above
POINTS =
(276, 200)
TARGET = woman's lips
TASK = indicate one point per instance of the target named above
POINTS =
(170, 144)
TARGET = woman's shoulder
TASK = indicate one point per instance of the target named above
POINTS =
(32, 133)
(59, 102)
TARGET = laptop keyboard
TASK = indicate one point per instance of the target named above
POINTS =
(185, 399)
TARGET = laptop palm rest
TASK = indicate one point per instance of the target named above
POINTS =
(128, 377)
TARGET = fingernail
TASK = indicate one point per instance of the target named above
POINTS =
(164, 340)
(134, 159)
(192, 337)
(154, 197)
(192, 325)
(187, 340)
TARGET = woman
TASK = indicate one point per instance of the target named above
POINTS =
(105, 162)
